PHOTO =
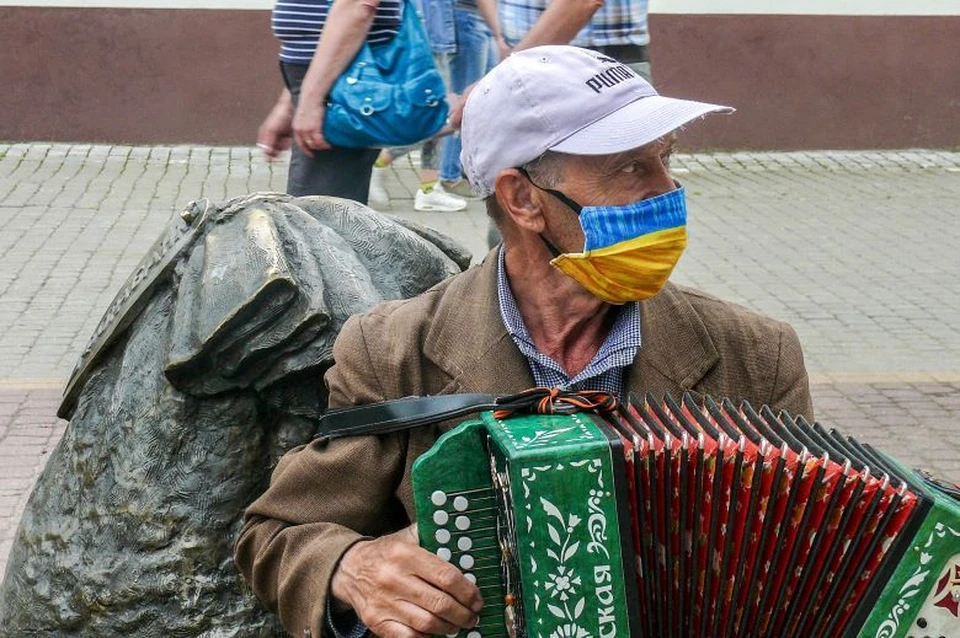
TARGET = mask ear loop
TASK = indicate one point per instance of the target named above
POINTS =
(569, 203)
(572, 205)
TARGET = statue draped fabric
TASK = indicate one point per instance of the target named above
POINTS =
(205, 369)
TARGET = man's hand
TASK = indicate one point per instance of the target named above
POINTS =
(276, 132)
(402, 591)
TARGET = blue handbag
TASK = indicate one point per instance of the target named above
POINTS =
(390, 95)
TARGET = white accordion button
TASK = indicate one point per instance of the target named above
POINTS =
(462, 523)
(464, 544)
(466, 561)
(438, 498)
(444, 553)
(443, 536)
(473, 634)
(471, 577)
(460, 503)
(440, 517)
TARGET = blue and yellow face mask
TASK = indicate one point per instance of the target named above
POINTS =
(630, 250)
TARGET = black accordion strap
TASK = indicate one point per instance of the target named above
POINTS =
(400, 414)
(411, 412)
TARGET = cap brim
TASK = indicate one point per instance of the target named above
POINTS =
(639, 122)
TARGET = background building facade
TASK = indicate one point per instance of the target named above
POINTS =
(803, 74)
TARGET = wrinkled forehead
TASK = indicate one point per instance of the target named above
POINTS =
(658, 147)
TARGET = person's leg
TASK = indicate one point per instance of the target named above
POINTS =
(493, 56)
(429, 158)
(431, 196)
(378, 190)
(340, 172)
(450, 158)
(467, 66)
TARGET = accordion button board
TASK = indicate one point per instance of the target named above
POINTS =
(695, 518)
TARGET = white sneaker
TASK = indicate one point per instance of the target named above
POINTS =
(437, 200)
(378, 193)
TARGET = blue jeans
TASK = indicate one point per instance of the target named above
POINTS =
(467, 65)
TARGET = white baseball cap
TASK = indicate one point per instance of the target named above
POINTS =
(565, 99)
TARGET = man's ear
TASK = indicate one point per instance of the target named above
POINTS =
(520, 200)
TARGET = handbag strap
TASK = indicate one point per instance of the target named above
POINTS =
(410, 412)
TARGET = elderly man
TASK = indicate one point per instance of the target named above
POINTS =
(571, 149)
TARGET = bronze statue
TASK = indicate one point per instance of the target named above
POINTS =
(206, 368)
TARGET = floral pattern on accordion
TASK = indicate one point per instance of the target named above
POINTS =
(560, 586)
(947, 593)
(921, 581)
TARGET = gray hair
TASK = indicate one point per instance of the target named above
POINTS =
(546, 170)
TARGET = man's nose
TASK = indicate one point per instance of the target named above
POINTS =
(661, 182)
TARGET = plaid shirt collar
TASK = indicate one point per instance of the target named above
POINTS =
(605, 370)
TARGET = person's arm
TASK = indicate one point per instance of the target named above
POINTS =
(488, 11)
(276, 132)
(791, 387)
(344, 32)
(559, 23)
(323, 536)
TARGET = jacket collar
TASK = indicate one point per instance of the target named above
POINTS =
(676, 350)
(468, 340)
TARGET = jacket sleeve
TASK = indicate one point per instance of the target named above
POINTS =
(791, 386)
(322, 498)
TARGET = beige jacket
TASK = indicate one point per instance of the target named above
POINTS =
(324, 497)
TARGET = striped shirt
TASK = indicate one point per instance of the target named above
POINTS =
(297, 25)
(605, 370)
(616, 22)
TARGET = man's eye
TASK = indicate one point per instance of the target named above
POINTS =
(632, 167)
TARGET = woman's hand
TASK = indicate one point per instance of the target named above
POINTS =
(275, 133)
(308, 125)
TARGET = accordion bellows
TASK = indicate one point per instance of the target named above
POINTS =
(691, 518)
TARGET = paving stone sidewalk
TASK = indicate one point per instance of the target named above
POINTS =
(857, 250)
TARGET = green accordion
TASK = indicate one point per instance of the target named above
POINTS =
(690, 518)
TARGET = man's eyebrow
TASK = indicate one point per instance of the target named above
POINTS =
(659, 146)
(668, 143)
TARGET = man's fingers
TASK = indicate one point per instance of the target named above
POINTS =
(392, 579)
(424, 621)
(447, 578)
(433, 584)
(439, 574)
(409, 534)
(432, 603)
(394, 629)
